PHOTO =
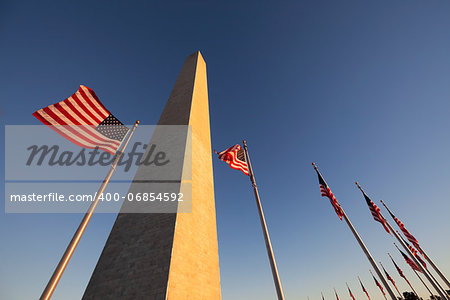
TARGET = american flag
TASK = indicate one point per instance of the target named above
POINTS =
(235, 157)
(337, 297)
(400, 272)
(326, 192)
(408, 235)
(363, 288)
(83, 120)
(410, 262)
(388, 276)
(414, 252)
(378, 285)
(350, 292)
(375, 210)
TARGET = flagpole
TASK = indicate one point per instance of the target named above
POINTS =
(407, 281)
(434, 267)
(364, 248)
(392, 283)
(425, 255)
(443, 296)
(53, 282)
(380, 289)
(273, 265)
(423, 283)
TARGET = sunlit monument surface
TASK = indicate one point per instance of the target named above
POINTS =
(169, 255)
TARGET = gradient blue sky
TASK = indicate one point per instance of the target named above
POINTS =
(360, 88)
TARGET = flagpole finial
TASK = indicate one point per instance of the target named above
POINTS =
(396, 246)
(314, 165)
(137, 122)
(245, 143)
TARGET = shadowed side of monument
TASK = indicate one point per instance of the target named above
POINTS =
(169, 255)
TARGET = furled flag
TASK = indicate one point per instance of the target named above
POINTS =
(235, 157)
(375, 210)
(83, 120)
(378, 284)
(410, 262)
(363, 288)
(414, 252)
(388, 276)
(326, 192)
(408, 235)
(337, 297)
(350, 292)
(400, 272)
(323, 298)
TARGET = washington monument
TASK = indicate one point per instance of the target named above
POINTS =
(173, 255)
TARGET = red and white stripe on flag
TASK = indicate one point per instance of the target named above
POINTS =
(235, 157)
(375, 211)
(408, 235)
(83, 120)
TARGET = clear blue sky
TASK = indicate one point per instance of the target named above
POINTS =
(360, 88)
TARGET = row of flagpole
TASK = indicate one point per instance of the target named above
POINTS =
(390, 279)
(239, 159)
(379, 217)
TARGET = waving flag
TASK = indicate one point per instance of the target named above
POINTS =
(410, 262)
(414, 252)
(83, 120)
(235, 157)
(375, 210)
(408, 235)
(326, 192)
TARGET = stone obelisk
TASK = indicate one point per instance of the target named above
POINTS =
(174, 255)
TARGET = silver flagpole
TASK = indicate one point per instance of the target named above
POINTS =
(380, 290)
(425, 255)
(273, 265)
(435, 286)
(364, 248)
(435, 267)
(53, 282)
